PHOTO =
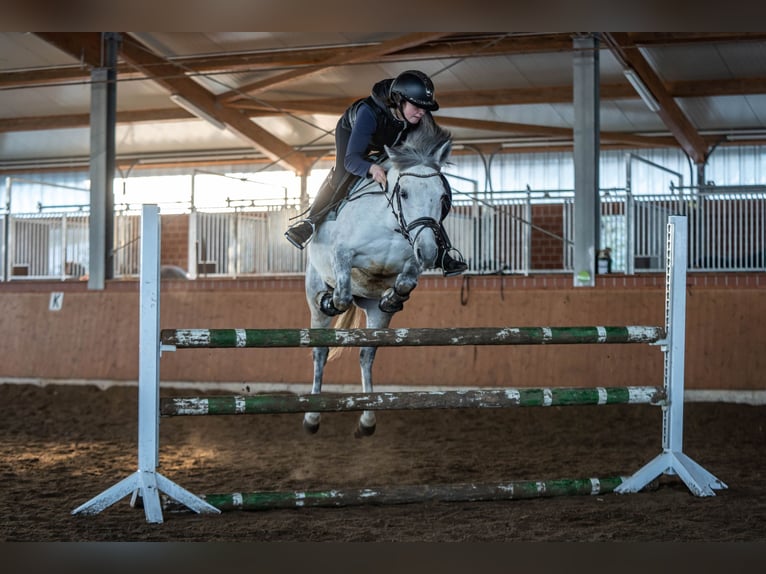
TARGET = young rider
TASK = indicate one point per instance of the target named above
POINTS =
(394, 109)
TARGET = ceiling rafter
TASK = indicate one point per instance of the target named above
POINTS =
(336, 106)
(448, 46)
(550, 131)
(161, 71)
(453, 99)
(330, 106)
(82, 120)
(354, 56)
(669, 38)
(86, 50)
(166, 74)
(706, 88)
(626, 50)
(677, 89)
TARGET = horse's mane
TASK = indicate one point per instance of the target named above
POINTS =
(421, 145)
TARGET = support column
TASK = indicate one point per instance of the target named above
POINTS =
(586, 159)
(103, 111)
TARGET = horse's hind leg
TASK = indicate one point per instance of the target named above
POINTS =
(367, 421)
(310, 419)
(319, 319)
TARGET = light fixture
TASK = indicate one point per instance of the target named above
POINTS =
(642, 90)
(195, 110)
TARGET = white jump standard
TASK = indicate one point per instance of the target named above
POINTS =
(147, 482)
(672, 460)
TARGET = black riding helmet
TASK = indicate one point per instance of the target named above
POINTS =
(417, 88)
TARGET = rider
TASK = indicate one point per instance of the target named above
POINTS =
(385, 118)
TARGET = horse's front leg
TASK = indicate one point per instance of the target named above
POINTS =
(394, 297)
(336, 301)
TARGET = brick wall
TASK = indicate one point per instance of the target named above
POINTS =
(547, 251)
(175, 240)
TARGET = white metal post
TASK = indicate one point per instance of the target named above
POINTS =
(147, 483)
(148, 346)
(675, 328)
(672, 460)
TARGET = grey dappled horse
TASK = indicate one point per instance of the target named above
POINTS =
(371, 254)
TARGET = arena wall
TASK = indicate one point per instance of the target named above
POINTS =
(94, 336)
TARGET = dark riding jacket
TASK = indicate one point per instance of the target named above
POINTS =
(360, 136)
(365, 128)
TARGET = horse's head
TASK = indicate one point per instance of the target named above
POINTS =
(420, 190)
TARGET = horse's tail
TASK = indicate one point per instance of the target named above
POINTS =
(351, 319)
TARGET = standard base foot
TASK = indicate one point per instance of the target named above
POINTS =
(696, 478)
(146, 485)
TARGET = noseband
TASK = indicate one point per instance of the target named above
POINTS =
(421, 222)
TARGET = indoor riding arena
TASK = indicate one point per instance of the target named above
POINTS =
(595, 375)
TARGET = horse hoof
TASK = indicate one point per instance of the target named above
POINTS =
(363, 431)
(391, 301)
(310, 428)
(390, 306)
(327, 306)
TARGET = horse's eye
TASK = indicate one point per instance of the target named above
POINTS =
(403, 194)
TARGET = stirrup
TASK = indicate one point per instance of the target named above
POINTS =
(299, 233)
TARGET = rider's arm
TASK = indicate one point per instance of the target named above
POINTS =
(361, 135)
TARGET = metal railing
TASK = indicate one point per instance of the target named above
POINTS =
(512, 232)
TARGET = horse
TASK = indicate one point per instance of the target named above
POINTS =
(370, 256)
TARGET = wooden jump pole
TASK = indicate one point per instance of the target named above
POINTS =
(240, 338)
(329, 402)
(516, 490)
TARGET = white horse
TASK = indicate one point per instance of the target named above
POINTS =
(370, 256)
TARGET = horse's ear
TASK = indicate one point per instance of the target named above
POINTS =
(390, 152)
(442, 152)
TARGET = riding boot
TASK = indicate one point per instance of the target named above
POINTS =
(450, 266)
(299, 233)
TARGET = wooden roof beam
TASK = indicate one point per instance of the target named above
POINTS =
(683, 130)
(87, 47)
(549, 131)
(166, 74)
(353, 56)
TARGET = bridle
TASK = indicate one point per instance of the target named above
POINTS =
(420, 223)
